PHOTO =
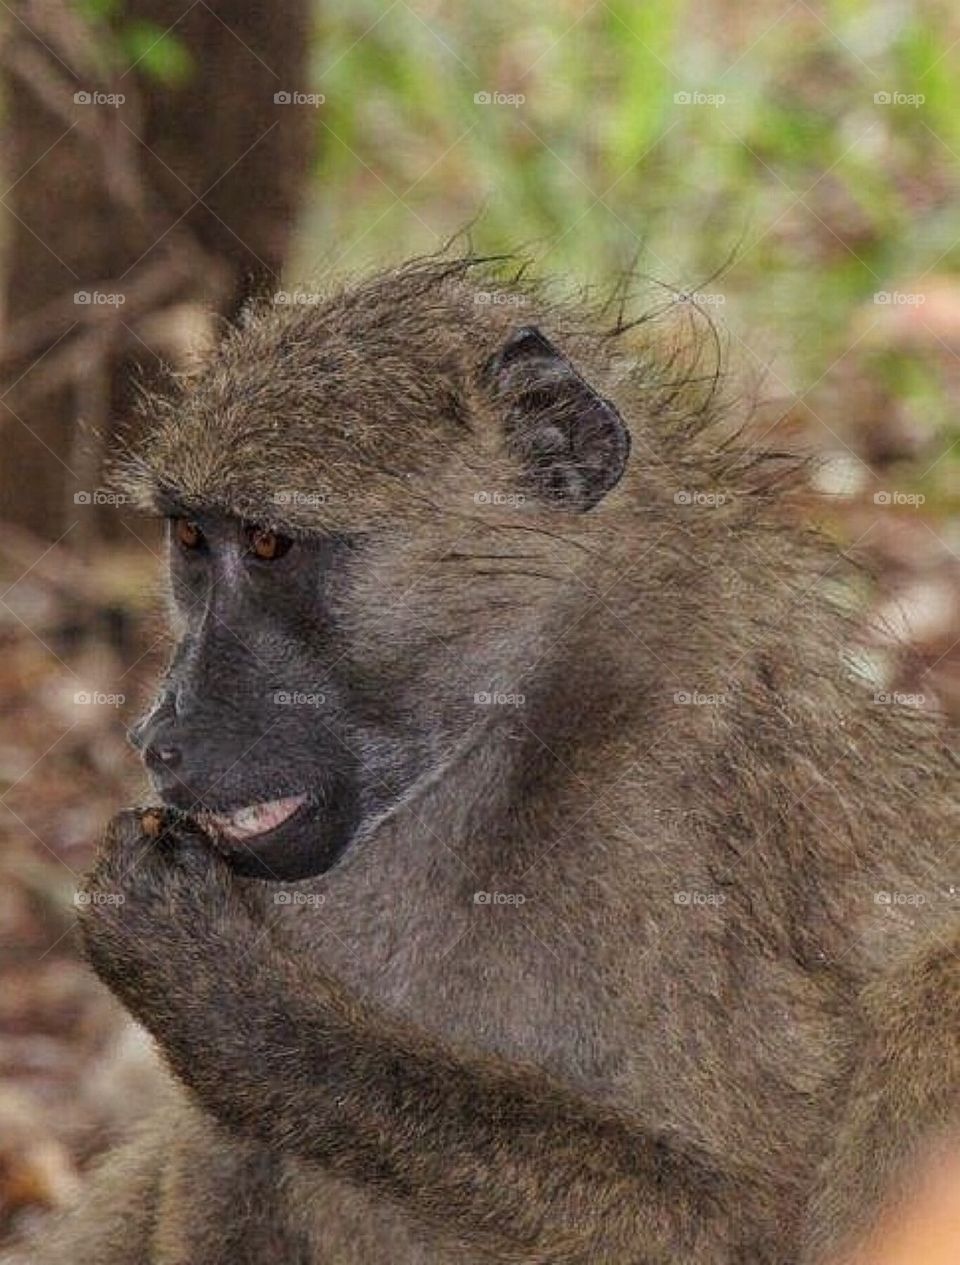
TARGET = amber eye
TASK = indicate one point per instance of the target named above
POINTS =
(188, 534)
(268, 545)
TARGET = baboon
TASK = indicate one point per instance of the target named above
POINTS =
(528, 878)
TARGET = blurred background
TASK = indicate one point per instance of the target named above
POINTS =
(789, 170)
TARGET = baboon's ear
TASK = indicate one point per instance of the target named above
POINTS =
(574, 442)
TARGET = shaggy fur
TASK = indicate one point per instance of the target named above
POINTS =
(726, 1011)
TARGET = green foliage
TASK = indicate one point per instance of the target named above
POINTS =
(157, 54)
(124, 41)
(823, 192)
(97, 10)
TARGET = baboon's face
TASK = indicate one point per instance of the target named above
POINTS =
(312, 683)
(248, 732)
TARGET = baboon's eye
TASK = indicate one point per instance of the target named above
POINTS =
(268, 545)
(188, 535)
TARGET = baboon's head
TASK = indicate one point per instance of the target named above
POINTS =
(358, 493)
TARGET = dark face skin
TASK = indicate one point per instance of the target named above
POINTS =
(251, 714)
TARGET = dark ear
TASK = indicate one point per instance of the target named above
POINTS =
(573, 442)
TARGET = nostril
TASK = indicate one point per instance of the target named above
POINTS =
(162, 755)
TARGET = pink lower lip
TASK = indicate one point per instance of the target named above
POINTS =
(255, 819)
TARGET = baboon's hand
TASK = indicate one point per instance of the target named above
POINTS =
(161, 914)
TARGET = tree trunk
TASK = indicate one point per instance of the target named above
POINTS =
(121, 213)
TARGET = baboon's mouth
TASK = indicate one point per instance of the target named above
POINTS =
(253, 820)
(292, 837)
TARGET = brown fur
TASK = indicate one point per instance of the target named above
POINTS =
(602, 1073)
